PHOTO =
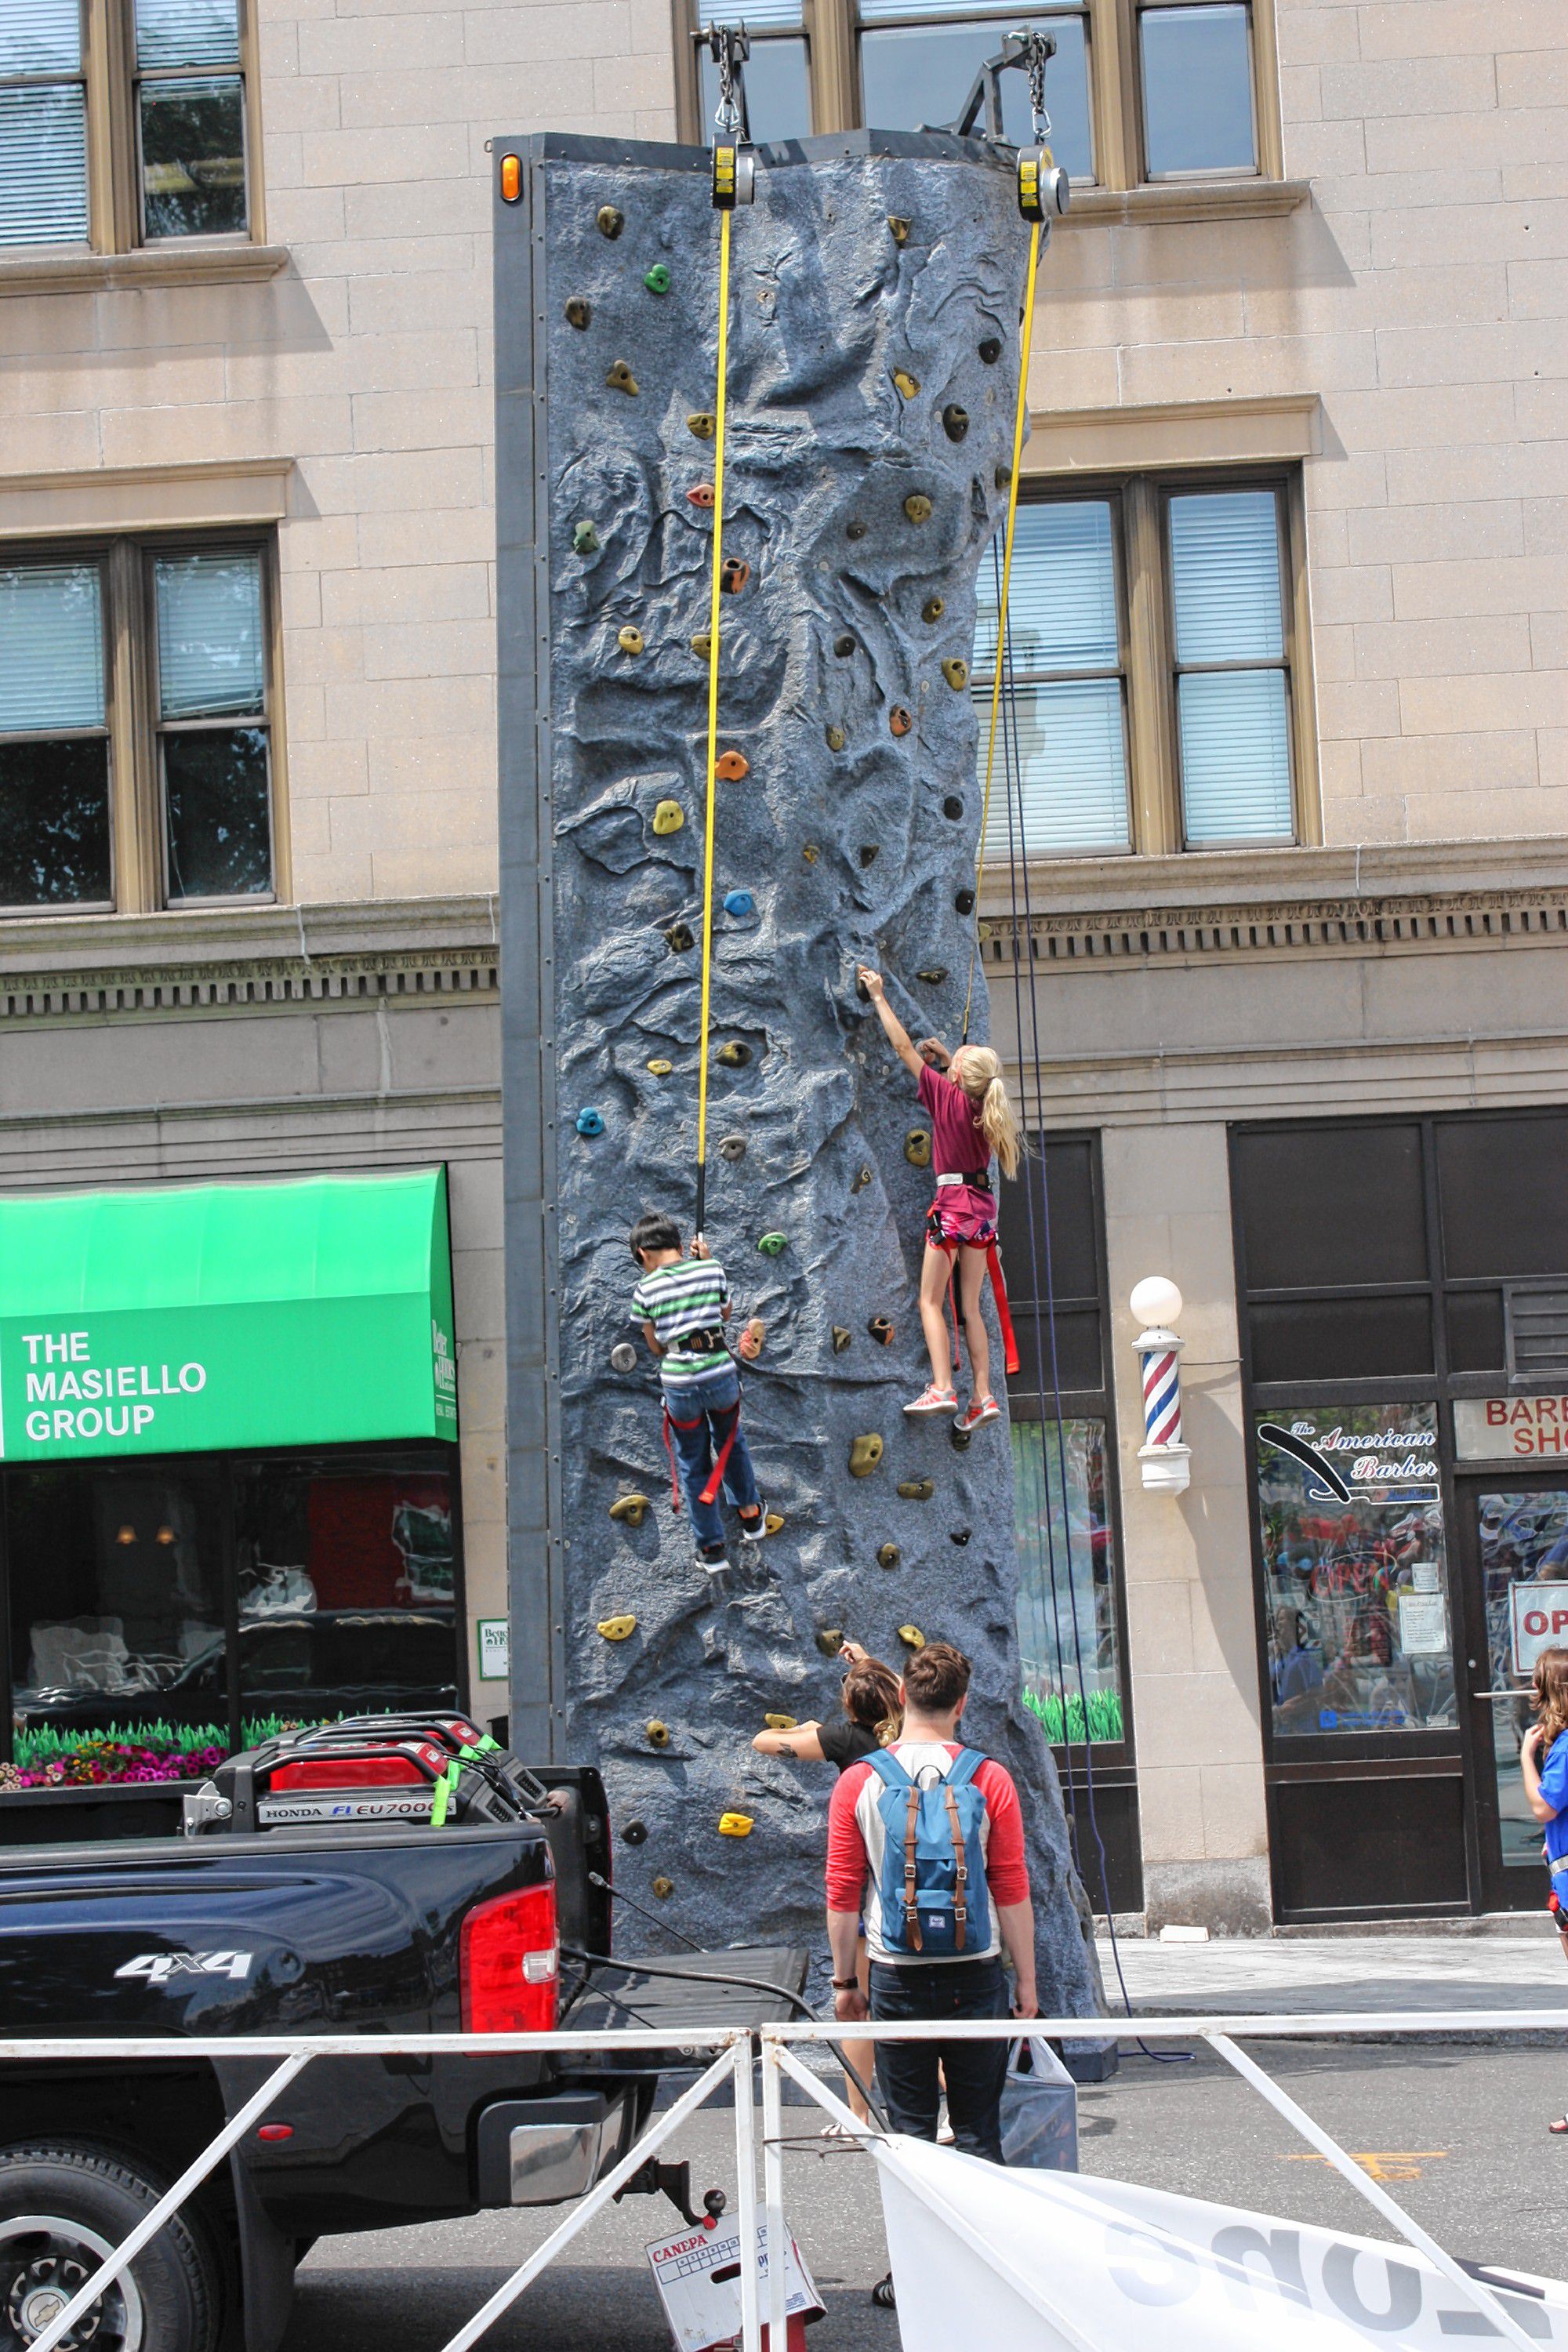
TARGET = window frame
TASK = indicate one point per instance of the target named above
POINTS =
(1140, 536)
(138, 859)
(112, 78)
(1177, 669)
(34, 554)
(832, 30)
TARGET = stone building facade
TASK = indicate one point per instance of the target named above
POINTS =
(1345, 296)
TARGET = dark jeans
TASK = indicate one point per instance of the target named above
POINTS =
(710, 1404)
(975, 2071)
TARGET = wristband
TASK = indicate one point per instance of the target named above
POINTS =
(845, 1984)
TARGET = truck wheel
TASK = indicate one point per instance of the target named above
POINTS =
(63, 2209)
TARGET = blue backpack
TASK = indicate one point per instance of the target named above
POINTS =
(932, 1855)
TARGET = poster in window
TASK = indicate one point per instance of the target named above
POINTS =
(1356, 1570)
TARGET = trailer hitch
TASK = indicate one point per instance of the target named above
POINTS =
(674, 2181)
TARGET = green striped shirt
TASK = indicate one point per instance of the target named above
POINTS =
(690, 1296)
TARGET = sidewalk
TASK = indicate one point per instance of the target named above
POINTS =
(1312, 1975)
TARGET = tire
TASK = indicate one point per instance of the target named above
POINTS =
(63, 2207)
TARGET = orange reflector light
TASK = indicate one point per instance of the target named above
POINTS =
(510, 178)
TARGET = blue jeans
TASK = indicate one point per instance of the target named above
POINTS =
(974, 2070)
(713, 1406)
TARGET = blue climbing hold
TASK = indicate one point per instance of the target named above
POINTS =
(738, 902)
(590, 1123)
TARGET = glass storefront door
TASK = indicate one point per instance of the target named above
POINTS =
(1515, 1534)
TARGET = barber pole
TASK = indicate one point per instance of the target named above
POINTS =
(1166, 1462)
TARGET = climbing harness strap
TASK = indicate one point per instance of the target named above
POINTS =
(710, 1492)
(950, 1249)
(977, 1179)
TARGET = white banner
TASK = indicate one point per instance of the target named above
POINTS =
(1105, 2266)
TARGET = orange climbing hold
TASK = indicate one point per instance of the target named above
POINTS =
(732, 766)
(735, 575)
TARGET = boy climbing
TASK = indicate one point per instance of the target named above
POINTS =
(971, 1119)
(684, 1303)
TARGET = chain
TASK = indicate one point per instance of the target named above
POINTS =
(727, 120)
(1035, 44)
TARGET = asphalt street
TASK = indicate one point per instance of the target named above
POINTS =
(1457, 2134)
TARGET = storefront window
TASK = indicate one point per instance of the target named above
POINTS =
(1523, 1546)
(1067, 1632)
(1355, 1570)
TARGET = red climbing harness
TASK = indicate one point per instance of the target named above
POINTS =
(710, 1492)
(950, 1244)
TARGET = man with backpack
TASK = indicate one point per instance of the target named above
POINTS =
(925, 1839)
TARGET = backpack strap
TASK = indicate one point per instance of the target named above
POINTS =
(912, 1906)
(963, 1768)
(961, 1890)
(888, 1769)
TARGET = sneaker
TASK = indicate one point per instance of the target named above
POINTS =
(755, 1530)
(945, 2135)
(981, 1410)
(934, 1400)
(712, 1556)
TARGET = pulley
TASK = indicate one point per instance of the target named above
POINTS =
(1043, 188)
(734, 167)
(734, 175)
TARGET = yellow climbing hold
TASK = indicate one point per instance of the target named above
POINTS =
(703, 646)
(830, 1640)
(917, 507)
(664, 1888)
(835, 739)
(865, 1452)
(621, 378)
(917, 1147)
(630, 640)
(660, 1068)
(917, 1490)
(701, 423)
(908, 385)
(669, 817)
(912, 1636)
(781, 1722)
(810, 852)
(631, 1508)
(735, 1825)
(888, 1555)
(617, 1629)
(932, 609)
(956, 674)
(899, 227)
(658, 1733)
(772, 1522)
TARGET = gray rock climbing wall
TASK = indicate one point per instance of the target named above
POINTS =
(873, 342)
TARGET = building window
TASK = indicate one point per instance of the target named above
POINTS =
(96, 808)
(1139, 91)
(123, 125)
(1148, 699)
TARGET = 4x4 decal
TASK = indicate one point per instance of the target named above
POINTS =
(159, 1967)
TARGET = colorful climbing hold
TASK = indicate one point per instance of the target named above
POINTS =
(953, 807)
(773, 1244)
(657, 280)
(733, 1146)
(701, 423)
(917, 1490)
(908, 385)
(917, 1147)
(844, 646)
(916, 506)
(750, 1344)
(911, 1636)
(679, 938)
(888, 1555)
(664, 1888)
(956, 672)
(898, 720)
(864, 1175)
(865, 1452)
(899, 227)
(959, 1536)
(732, 766)
(958, 1437)
(954, 421)
(738, 903)
(855, 530)
(633, 1832)
(835, 739)
(990, 350)
(590, 1122)
(964, 901)
(830, 1640)
(781, 1722)
(735, 1825)
(621, 378)
(841, 1339)
(933, 975)
(867, 853)
(609, 220)
(1003, 476)
(932, 609)
(735, 1054)
(659, 1067)
(617, 1629)
(584, 539)
(703, 646)
(578, 312)
(701, 494)
(733, 574)
(657, 1732)
(669, 817)
(810, 852)
(630, 640)
(630, 1510)
(880, 1327)
(623, 1357)
(772, 1522)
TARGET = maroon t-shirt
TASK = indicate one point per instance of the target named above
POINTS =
(958, 1146)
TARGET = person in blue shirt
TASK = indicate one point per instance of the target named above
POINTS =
(1543, 1762)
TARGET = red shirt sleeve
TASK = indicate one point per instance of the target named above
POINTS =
(846, 1860)
(1006, 1870)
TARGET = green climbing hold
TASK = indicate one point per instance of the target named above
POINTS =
(735, 1054)
(954, 421)
(578, 312)
(610, 221)
(657, 280)
(916, 506)
(956, 672)
(835, 739)
(932, 609)
(917, 1147)
(771, 1244)
(865, 1452)
(917, 1490)
(841, 1339)
(830, 1640)
(620, 378)
(679, 938)
(958, 1437)
(888, 1555)
(584, 539)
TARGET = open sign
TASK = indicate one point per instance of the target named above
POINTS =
(1539, 1619)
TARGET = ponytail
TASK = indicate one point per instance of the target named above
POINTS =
(979, 1074)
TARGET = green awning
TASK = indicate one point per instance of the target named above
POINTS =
(207, 1316)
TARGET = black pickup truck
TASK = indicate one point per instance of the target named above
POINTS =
(396, 1876)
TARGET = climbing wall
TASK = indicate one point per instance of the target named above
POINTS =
(873, 355)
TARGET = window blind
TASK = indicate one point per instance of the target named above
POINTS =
(209, 634)
(51, 648)
(186, 32)
(40, 37)
(43, 165)
(1225, 577)
(1233, 725)
(1197, 89)
(1061, 764)
(1236, 756)
(1062, 596)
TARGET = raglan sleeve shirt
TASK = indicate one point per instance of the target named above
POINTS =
(853, 1827)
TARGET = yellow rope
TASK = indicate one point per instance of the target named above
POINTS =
(713, 608)
(1006, 582)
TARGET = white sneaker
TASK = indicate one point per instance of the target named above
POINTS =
(982, 1409)
(934, 1401)
(757, 1531)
